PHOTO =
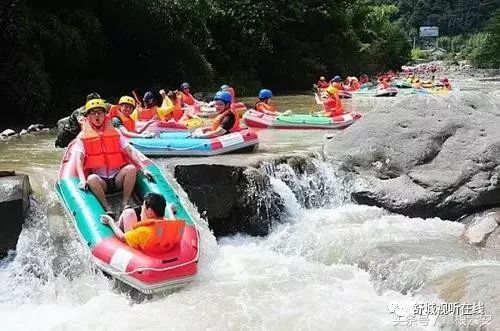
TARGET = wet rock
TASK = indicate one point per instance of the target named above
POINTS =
(68, 128)
(23, 132)
(425, 155)
(232, 198)
(477, 285)
(14, 202)
(480, 227)
(35, 127)
(8, 133)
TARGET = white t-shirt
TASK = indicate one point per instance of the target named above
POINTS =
(79, 148)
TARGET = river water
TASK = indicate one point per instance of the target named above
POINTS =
(336, 266)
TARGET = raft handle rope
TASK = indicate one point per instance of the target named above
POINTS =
(108, 267)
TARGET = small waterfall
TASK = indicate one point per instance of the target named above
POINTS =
(313, 183)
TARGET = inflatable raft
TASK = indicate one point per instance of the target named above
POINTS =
(210, 111)
(343, 94)
(166, 126)
(257, 119)
(146, 273)
(181, 144)
(386, 92)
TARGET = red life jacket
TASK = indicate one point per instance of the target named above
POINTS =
(114, 111)
(187, 98)
(166, 235)
(338, 85)
(322, 84)
(236, 126)
(128, 122)
(333, 105)
(102, 149)
(145, 114)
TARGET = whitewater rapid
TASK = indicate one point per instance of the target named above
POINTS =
(331, 266)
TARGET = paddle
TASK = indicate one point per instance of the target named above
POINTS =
(136, 97)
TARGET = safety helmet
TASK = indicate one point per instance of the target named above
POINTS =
(95, 103)
(337, 79)
(224, 87)
(127, 100)
(445, 79)
(265, 94)
(223, 96)
(93, 95)
(354, 79)
(184, 86)
(331, 90)
(149, 98)
(322, 78)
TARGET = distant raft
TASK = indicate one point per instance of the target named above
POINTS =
(181, 144)
(386, 92)
(257, 119)
(343, 94)
(148, 273)
(166, 126)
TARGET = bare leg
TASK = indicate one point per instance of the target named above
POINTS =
(98, 186)
(125, 180)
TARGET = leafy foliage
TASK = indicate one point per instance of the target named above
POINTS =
(55, 52)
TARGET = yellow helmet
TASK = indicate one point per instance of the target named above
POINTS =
(128, 100)
(95, 103)
(331, 90)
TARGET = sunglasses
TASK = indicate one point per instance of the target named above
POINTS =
(95, 112)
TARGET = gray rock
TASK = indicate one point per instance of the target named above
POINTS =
(35, 127)
(481, 227)
(14, 202)
(8, 133)
(425, 155)
(232, 198)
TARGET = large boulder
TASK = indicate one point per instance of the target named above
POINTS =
(425, 155)
(232, 198)
(14, 203)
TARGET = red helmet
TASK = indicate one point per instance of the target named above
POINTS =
(445, 79)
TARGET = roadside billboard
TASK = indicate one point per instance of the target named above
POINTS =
(429, 31)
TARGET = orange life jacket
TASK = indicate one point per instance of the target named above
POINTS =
(355, 85)
(114, 111)
(338, 85)
(187, 98)
(128, 122)
(166, 235)
(262, 107)
(102, 149)
(236, 126)
(177, 113)
(322, 84)
(145, 114)
(383, 85)
(333, 105)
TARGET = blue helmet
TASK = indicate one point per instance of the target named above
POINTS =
(265, 94)
(184, 86)
(337, 79)
(224, 87)
(223, 96)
